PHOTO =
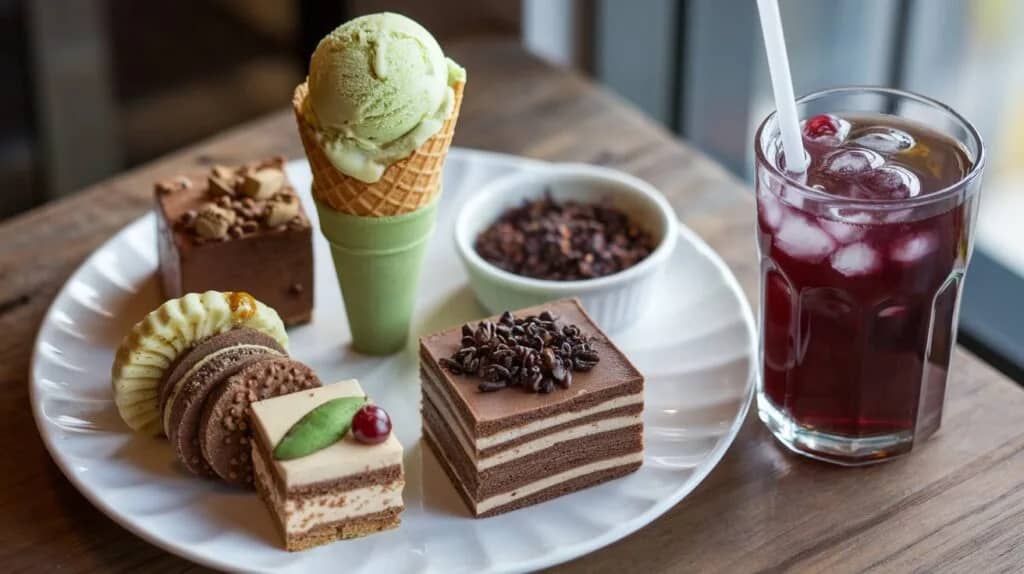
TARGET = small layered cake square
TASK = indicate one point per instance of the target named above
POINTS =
(237, 229)
(344, 490)
(527, 406)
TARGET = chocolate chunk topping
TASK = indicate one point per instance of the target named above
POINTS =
(262, 183)
(213, 222)
(564, 241)
(280, 210)
(239, 202)
(535, 353)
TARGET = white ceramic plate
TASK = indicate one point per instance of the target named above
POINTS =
(696, 349)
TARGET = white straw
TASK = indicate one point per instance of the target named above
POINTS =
(782, 85)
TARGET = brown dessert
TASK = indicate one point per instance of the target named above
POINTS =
(206, 396)
(564, 241)
(342, 487)
(237, 229)
(547, 433)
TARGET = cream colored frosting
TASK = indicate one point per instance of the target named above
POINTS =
(274, 417)
(153, 344)
(299, 516)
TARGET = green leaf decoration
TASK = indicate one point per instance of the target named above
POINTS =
(319, 428)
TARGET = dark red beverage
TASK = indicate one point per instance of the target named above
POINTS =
(862, 260)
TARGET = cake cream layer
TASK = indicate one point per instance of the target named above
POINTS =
(274, 417)
(510, 436)
(523, 470)
(378, 476)
(487, 414)
(542, 489)
(300, 513)
(611, 415)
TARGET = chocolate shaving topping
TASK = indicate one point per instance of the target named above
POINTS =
(564, 241)
(536, 353)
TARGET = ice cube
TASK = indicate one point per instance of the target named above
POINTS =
(884, 140)
(802, 239)
(891, 182)
(841, 231)
(913, 247)
(854, 216)
(898, 215)
(770, 207)
(856, 259)
(850, 163)
(792, 197)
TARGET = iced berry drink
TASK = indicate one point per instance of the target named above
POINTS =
(861, 279)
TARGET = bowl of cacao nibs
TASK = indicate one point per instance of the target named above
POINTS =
(567, 230)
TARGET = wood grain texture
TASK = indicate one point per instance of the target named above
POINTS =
(957, 504)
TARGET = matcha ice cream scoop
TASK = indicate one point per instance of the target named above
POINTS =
(379, 86)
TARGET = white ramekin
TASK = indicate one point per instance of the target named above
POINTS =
(614, 301)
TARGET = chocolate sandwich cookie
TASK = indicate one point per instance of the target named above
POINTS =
(224, 431)
(196, 373)
(208, 347)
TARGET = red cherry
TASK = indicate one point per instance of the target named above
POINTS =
(371, 425)
(822, 125)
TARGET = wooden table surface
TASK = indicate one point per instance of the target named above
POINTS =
(955, 504)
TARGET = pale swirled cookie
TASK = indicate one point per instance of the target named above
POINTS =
(164, 334)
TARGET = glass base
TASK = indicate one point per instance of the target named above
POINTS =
(836, 449)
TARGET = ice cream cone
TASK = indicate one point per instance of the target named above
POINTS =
(406, 185)
(378, 231)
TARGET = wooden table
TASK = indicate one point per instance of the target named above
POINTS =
(956, 504)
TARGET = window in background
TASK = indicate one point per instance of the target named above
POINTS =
(969, 55)
(95, 86)
(979, 49)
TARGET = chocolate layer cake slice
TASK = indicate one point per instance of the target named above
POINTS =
(345, 490)
(563, 411)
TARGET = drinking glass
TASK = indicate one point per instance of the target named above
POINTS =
(859, 296)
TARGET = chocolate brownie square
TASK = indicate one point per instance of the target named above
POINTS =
(237, 229)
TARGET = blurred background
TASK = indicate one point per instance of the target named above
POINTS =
(96, 86)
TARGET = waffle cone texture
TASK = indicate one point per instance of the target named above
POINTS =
(405, 186)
